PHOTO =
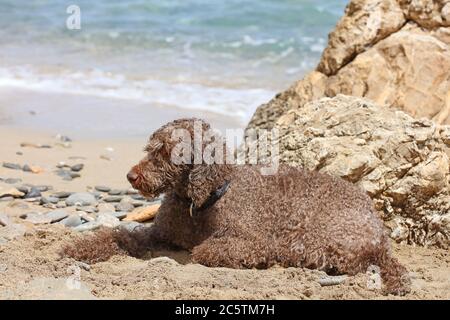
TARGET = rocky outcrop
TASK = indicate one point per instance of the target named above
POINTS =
(394, 52)
(403, 163)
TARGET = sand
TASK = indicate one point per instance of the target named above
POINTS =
(31, 266)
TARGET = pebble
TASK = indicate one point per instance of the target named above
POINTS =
(112, 199)
(102, 188)
(6, 199)
(132, 191)
(87, 209)
(125, 205)
(61, 205)
(138, 197)
(77, 167)
(43, 188)
(33, 193)
(65, 174)
(81, 199)
(49, 206)
(105, 157)
(62, 194)
(71, 221)
(57, 215)
(108, 220)
(4, 220)
(115, 192)
(19, 153)
(12, 180)
(24, 189)
(36, 218)
(105, 207)
(13, 166)
(86, 217)
(33, 169)
(74, 175)
(131, 225)
(119, 215)
(88, 226)
(3, 267)
(49, 199)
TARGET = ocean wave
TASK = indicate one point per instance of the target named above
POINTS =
(238, 103)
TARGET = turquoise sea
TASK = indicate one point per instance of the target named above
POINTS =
(225, 57)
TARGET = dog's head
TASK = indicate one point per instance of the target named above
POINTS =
(172, 163)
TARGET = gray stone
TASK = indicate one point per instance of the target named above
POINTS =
(89, 226)
(105, 207)
(81, 199)
(138, 197)
(57, 215)
(24, 189)
(108, 220)
(119, 215)
(13, 180)
(74, 175)
(37, 218)
(33, 193)
(13, 166)
(102, 188)
(112, 199)
(6, 199)
(72, 221)
(62, 194)
(115, 192)
(87, 209)
(61, 205)
(49, 199)
(86, 217)
(43, 188)
(132, 191)
(125, 206)
(131, 225)
(77, 167)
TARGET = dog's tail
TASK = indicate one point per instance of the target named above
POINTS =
(106, 242)
(394, 276)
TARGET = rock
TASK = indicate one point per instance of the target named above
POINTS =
(4, 220)
(32, 169)
(89, 226)
(49, 199)
(24, 189)
(12, 180)
(401, 162)
(85, 216)
(71, 221)
(332, 280)
(34, 145)
(13, 166)
(131, 225)
(132, 191)
(108, 220)
(138, 197)
(12, 231)
(65, 174)
(6, 199)
(143, 214)
(37, 218)
(112, 199)
(61, 205)
(115, 192)
(126, 204)
(62, 194)
(77, 167)
(105, 207)
(102, 188)
(81, 199)
(106, 157)
(119, 215)
(87, 209)
(63, 138)
(33, 193)
(12, 192)
(42, 188)
(394, 52)
(19, 153)
(74, 175)
(57, 215)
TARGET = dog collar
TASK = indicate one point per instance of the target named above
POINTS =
(213, 198)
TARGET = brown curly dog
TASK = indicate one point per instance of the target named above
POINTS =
(233, 216)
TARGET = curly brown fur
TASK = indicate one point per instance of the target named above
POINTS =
(295, 218)
(106, 242)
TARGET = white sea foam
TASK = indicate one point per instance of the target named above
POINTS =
(239, 103)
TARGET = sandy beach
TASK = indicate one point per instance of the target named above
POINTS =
(31, 265)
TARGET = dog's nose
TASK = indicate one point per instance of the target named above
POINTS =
(132, 176)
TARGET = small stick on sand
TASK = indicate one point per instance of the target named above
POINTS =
(143, 214)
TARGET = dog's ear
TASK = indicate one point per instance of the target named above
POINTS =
(203, 181)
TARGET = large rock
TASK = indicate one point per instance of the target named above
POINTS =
(403, 163)
(395, 52)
